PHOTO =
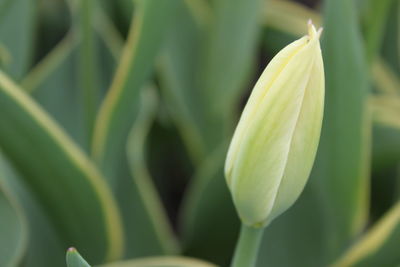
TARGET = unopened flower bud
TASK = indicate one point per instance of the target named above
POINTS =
(274, 145)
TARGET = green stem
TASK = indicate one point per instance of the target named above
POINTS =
(247, 247)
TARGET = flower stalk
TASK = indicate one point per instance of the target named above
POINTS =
(247, 247)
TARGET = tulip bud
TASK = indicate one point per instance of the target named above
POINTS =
(274, 145)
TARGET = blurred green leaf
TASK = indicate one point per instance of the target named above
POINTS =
(385, 110)
(13, 230)
(297, 233)
(386, 146)
(51, 61)
(44, 245)
(148, 198)
(374, 25)
(74, 259)
(288, 16)
(205, 67)
(17, 19)
(62, 178)
(226, 58)
(378, 246)
(162, 262)
(208, 205)
(109, 33)
(120, 107)
(385, 79)
(124, 9)
(342, 164)
(118, 113)
(200, 10)
(88, 63)
(54, 83)
(206, 91)
(178, 68)
(391, 43)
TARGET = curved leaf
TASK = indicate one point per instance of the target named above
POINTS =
(375, 20)
(225, 64)
(178, 68)
(16, 35)
(208, 205)
(54, 83)
(341, 167)
(13, 230)
(68, 186)
(390, 48)
(147, 193)
(377, 247)
(289, 16)
(119, 109)
(45, 247)
(118, 113)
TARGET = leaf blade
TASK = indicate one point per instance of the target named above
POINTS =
(20, 115)
(13, 242)
(343, 155)
(74, 259)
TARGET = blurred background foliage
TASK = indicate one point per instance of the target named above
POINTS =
(115, 118)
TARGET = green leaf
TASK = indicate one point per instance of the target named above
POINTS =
(341, 167)
(200, 9)
(13, 230)
(385, 111)
(226, 58)
(391, 44)
(204, 68)
(385, 79)
(119, 109)
(284, 239)
(108, 32)
(147, 195)
(51, 61)
(88, 63)
(74, 259)
(45, 247)
(378, 246)
(178, 68)
(54, 83)
(288, 17)
(17, 21)
(205, 93)
(118, 113)
(161, 262)
(61, 177)
(208, 205)
(374, 25)
(124, 10)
